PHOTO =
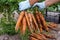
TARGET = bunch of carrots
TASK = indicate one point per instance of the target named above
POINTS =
(34, 22)
(37, 36)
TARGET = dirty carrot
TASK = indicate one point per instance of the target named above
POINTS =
(54, 25)
(36, 24)
(38, 20)
(31, 22)
(24, 25)
(49, 36)
(19, 20)
(28, 22)
(32, 38)
(36, 36)
(49, 26)
(43, 22)
(43, 36)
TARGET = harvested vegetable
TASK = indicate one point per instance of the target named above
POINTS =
(34, 20)
(19, 20)
(36, 24)
(43, 22)
(31, 22)
(39, 23)
(32, 38)
(41, 36)
(54, 25)
(44, 38)
(49, 36)
(36, 36)
(53, 28)
(28, 21)
(24, 25)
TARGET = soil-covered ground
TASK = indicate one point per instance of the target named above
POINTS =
(7, 37)
(16, 37)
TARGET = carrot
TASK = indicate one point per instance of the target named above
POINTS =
(43, 36)
(37, 17)
(30, 18)
(35, 22)
(49, 26)
(38, 20)
(24, 25)
(43, 22)
(54, 25)
(40, 26)
(32, 38)
(49, 36)
(19, 20)
(31, 22)
(20, 29)
(28, 22)
(36, 36)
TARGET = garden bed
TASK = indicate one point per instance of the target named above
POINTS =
(17, 36)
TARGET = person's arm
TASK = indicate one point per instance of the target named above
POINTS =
(32, 2)
(51, 2)
(45, 3)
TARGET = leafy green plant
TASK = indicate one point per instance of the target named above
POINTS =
(54, 7)
(8, 27)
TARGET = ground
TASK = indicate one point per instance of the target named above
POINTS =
(7, 37)
(56, 33)
(16, 37)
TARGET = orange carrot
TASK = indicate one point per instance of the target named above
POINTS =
(49, 36)
(28, 22)
(36, 36)
(43, 36)
(38, 20)
(31, 22)
(51, 27)
(43, 22)
(19, 20)
(35, 22)
(24, 25)
(54, 25)
(32, 38)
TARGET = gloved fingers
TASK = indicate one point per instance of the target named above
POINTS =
(35, 5)
(21, 6)
(40, 5)
(27, 0)
(24, 5)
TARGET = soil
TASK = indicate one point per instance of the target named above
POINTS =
(56, 33)
(7, 37)
(16, 37)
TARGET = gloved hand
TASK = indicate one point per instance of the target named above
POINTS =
(40, 5)
(24, 5)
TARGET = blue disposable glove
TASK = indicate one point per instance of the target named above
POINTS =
(40, 5)
(24, 5)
